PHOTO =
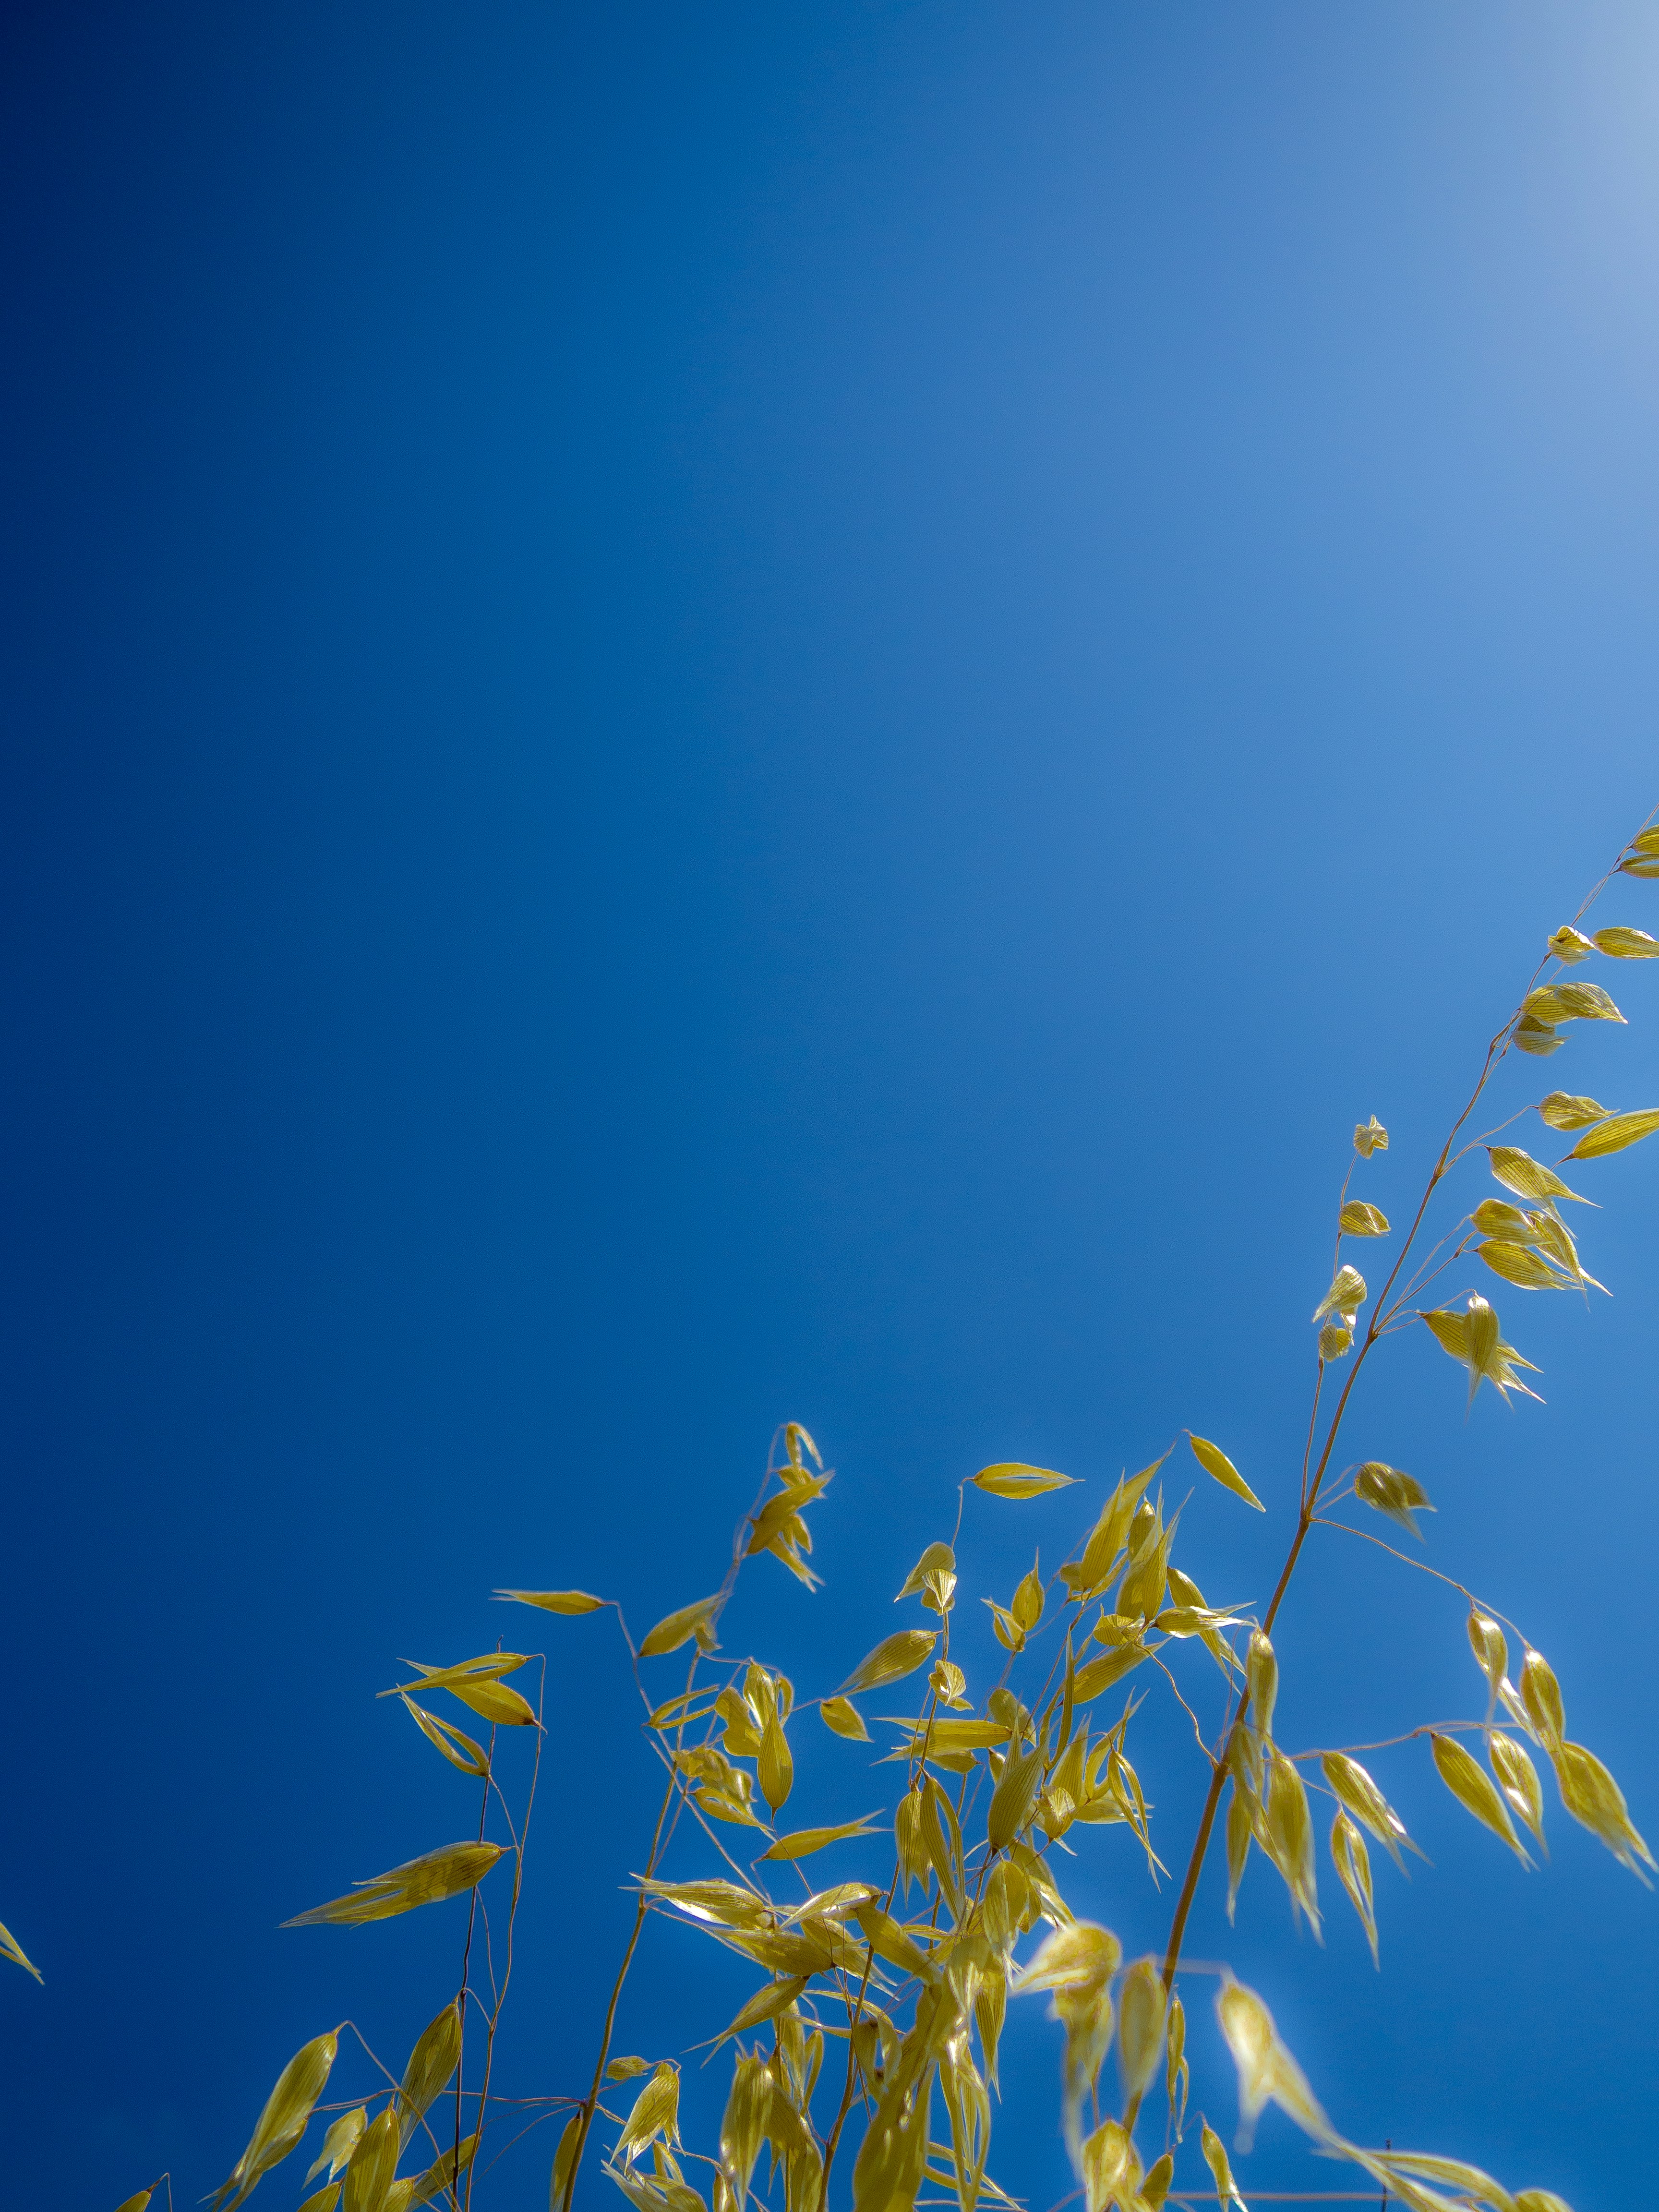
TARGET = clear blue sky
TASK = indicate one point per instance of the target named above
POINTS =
(728, 713)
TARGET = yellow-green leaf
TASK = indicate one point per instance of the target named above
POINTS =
(892, 1660)
(766, 2005)
(1013, 1478)
(461, 1752)
(1345, 1297)
(339, 2143)
(1614, 1133)
(12, 1949)
(496, 1701)
(1619, 944)
(1141, 2016)
(368, 2177)
(1540, 1697)
(1358, 1794)
(1594, 1799)
(774, 1765)
(842, 1718)
(557, 1600)
(1568, 1109)
(678, 1628)
(625, 2070)
(656, 2112)
(1475, 1791)
(1586, 1002)
(1517, 1778)
(1215, 1461)
(281, 2124)
(805, 1841)
(1358, 1219)
(1215, 2157)
(425, 1881)
(487, 1666)
(1014, 1798)
(1388, 1491)
(1519, 1266)
(441, 2174)
(1455, 2172)
(431, 2063)
(1352, 1862)
(1528, 1177)
(1098, 1674)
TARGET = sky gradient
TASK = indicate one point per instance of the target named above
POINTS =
(737, 713)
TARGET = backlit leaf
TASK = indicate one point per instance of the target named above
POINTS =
(805, 1841)
(431, 2063)
(676, 1629)
(1098, 1674)
(281, 2124)
(1387, 1490)
(1215, 1461)
(1215, 2157)
(1345, 1296)
(368, 2176)
(339, 2143)
(1594, 1799)
(1492, 1652)
(1540, 1696)
(1568, 1110)
(656, 2112)
(12, 1949)
(1352, 1862)
(1358, 1794)
(1475, 1791)
(1619, 944)
(425, 1881)
(842, 1715)
(457, 1747)
(1614, 1133)
(775, 1766)
(1012, 1479)
(1587, 1002)
(1369, 1137)
(555, 1600)
(1141, 2014)
(1473, 1337)
(1528, 1177)
(1516, 1264)
(441, 2175)
(936, 1568)
(1455, 2172)
(1517, 1778)
(1267, 2071)
(892, 1660)
(1358, 1219)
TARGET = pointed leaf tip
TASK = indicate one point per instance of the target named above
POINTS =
(1215, 1461)
(1013, 1478)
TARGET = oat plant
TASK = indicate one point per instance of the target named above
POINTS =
(864, 2064)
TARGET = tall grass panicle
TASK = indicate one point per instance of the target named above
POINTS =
(901, 1983)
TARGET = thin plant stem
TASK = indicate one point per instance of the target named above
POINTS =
(1495, 1050)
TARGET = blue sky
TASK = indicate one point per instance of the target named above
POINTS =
(738, 714)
